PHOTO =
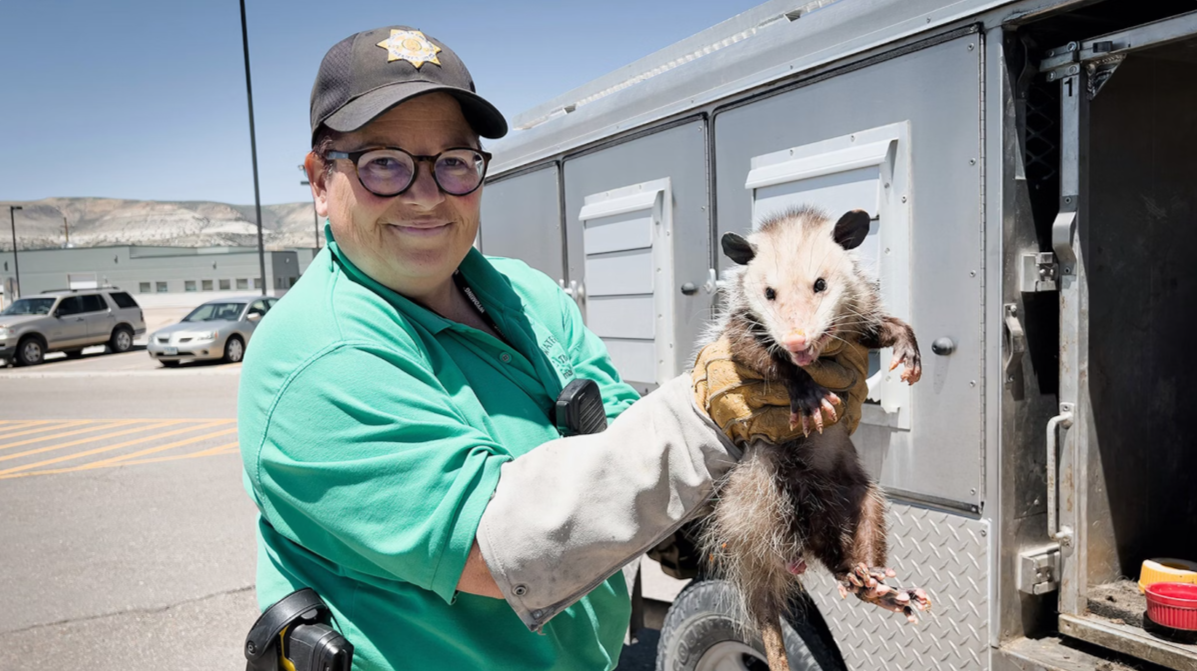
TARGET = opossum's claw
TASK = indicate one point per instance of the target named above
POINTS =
(830, 410)
(912, 363)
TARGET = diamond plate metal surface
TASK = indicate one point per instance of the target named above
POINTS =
(946, 555)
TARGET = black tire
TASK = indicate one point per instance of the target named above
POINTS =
(168, 363)
(73, 353)
(234, 349)
(30, 351)
(121, 340)
(701, 633)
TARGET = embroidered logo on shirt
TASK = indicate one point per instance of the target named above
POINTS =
(559, 358)
(410, 46)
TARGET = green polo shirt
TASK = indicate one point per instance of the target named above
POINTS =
(372, 432)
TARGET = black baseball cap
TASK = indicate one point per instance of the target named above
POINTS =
(366, 74)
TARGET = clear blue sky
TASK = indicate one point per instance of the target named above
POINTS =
(145, 99)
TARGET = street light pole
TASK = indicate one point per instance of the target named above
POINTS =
(12, 218)
(253, 148)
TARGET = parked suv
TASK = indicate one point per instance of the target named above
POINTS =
(68, 321)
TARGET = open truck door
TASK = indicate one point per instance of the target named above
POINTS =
(1120, 452)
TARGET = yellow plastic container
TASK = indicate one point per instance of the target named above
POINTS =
(1167, 570)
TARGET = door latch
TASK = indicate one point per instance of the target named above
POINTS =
(1039, 570)
(1038, 272)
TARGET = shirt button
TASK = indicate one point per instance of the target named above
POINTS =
(505, 357)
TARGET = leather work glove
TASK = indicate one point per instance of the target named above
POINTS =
(570, 513)
(747, 408)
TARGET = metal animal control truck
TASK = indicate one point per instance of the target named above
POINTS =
(1030, 167)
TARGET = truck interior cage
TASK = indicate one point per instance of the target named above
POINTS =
(1125, 241)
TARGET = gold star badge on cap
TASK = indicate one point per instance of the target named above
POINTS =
(410, 46)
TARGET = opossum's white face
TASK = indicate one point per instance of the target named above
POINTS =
(799, 280)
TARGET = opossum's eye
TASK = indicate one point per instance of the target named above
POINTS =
(770, 293)
(820, 285)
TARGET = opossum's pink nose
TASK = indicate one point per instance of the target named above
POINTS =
(795, 340)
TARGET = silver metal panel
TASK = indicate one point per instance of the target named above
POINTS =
(676, 153)
(621, 316)
(620, 273)
(948, 556)
(633, 230)
(635, 359)
(521, 219)
(715, 66)
(935, 90)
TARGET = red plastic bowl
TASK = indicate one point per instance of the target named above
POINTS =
(1173, 604)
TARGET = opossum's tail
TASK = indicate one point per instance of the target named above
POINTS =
(752, 539)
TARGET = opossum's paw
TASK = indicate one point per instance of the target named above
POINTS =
(868, 586)
(812, 407)
(907, 355)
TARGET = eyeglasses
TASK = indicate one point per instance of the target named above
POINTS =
(389, 171)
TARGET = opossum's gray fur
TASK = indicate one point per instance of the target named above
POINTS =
(757, 527)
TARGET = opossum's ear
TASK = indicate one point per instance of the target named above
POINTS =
(852, 228)
(737, 248)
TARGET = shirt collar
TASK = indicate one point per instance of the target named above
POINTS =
(492, 287)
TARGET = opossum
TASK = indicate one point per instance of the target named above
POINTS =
(798, 288)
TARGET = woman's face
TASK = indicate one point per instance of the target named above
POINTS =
(412, 242)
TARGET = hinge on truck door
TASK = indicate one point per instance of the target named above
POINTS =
(1039, 570)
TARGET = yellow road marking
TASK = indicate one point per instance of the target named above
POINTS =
(106, 448)
(230, 448)
(158, 448)
(92, 439)
(210, 452)
(13, 423)
(126, 444)
(27, 431)
(58, 435)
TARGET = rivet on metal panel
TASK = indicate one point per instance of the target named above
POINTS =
(971, 47)
(903, 199)
(983, 532)
(973, 491)
(1074, 69)
(972, 161)
(972, 273)
(1072, 46)
(972, 383)
(852, 138)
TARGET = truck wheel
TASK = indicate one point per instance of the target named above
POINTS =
(31, 351)
(702, 633)
(234, 350)
(121, 340)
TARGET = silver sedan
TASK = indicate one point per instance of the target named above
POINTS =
(218, 329)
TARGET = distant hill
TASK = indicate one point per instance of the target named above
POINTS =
(97, 222)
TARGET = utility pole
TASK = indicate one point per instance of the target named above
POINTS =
(253, 149)
(12, 218)
(66, 228)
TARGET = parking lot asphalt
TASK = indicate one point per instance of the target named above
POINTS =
(129, 540)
